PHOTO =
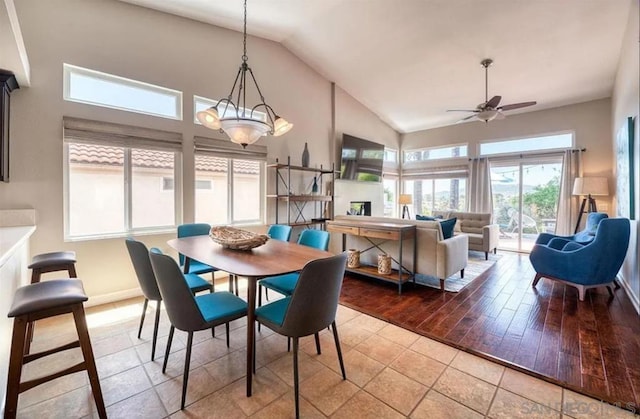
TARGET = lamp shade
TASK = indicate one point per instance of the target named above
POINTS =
(595, 186)
(405, 199)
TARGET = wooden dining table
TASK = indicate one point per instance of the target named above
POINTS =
(273, 258)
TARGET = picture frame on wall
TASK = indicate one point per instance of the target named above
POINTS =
(625, 187)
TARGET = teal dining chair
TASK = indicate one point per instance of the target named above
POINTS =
(285, 284)
(189, 313)
(195, 266)
(311, 308)
(147, 280)
(280, 232)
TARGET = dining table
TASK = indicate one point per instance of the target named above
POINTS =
(273, 258)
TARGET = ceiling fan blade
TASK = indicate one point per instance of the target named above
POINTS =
(466, 119)
(493, 102)
(499, 115)
(462, 110)
(516, 106)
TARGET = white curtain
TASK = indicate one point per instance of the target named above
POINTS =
(480, 196)
(567, 206)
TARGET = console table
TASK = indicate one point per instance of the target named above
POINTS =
(376, 230)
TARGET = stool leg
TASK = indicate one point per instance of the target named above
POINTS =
(15, 366)
(35, 275)
(29, 339)
(90, 363)
(72, 271)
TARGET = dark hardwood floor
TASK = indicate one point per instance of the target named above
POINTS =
(592, 347)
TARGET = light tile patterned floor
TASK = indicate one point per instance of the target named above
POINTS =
(392, 373)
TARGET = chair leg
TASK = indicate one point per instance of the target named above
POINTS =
(235, 280)
(185, 376)
(259, 300)
(144, 312)
(442, 285)
(616, 285)
(295, 376)
(72, 271)
(610, 289)
(462, 273)
(317, 344)
(18, 344)
(486, 255)
(536, 280)
(227, 328)
(168, 349)
(288, 344)
(338, 349)
(155, 330)
(89, 361)
(29, 339)
(495, 250)
(266, 293)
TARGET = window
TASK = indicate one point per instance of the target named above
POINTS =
(203, 103)
(523, 145)
(237, 177)
(390, 185)
(102, 89)
(437, 194)
(435, 153)
(119, 179)
(100, 200)
(390, 155)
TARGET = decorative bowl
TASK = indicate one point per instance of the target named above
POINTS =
(236, 239)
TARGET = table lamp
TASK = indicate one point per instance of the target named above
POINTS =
(404, 200)
(589, 186)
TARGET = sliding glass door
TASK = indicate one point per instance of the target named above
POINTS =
(525, 199)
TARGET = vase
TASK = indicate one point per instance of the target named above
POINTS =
(353, 258)
(305, 156)
(314, 187)
(384, 264)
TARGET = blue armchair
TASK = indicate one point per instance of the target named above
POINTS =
(583, 237)
(588, 265)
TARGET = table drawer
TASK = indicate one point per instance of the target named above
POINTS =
(333, 228)
(380, 234)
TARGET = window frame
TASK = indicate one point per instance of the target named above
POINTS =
(438, 160)
(526, 137)
(69, 69)
(433, 179)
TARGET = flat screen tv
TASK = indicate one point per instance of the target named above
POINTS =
(361, 159)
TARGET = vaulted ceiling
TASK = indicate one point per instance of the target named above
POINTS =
(411, 60)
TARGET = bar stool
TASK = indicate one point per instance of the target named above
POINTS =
(52, 262)
(49, 262)
(39, 301)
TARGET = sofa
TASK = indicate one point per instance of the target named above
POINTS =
(436, 256)
(483, 236)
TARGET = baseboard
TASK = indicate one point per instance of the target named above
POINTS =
(112, 297)
(630, 294)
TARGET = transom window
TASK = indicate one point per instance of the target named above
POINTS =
(101, 89)
(523, 145)
(390, 155)
(435, 153)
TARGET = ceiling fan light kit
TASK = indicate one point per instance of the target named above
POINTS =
(237, 120)
(489, 109)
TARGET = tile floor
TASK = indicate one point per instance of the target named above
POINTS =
(392, 373)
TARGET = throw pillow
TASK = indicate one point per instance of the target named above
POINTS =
(424, 217)
(457, 228)
(447, 227)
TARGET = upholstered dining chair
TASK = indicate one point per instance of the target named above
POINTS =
(311, 308)
(191, 313)
(147, 280)
(195, 266)
(284, 284)
(280, 232)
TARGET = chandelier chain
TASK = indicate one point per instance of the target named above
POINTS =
(244, 56)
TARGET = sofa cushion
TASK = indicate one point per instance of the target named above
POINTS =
(475, 238)
(447, 227)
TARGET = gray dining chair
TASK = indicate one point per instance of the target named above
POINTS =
(147, 280)
(191, 313)
(311, 308)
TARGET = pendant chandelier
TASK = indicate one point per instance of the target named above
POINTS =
(235, 118)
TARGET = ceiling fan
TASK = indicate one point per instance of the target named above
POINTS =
(489, 109)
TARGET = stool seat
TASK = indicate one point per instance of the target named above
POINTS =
(46, 295)
(52, 259)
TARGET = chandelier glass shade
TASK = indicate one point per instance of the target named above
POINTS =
(236, 119)
(487, 115)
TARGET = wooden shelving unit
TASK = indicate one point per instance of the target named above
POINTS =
(296, 203)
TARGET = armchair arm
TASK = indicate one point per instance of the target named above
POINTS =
(452, 255)
(558, 243)
(490, 237)
(575, 264)
(569, 246)
(544, 238)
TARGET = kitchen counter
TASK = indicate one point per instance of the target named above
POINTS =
(12, 239)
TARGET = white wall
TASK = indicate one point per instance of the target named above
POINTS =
(156, 48)
(625, 103)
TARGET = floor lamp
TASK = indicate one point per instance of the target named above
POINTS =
(404, 200)
(589, 186)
